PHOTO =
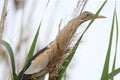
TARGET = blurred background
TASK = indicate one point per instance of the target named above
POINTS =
(20, 22)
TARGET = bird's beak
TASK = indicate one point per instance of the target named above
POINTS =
(100, 16)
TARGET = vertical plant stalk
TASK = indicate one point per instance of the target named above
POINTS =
(3, 16)
(115, 71)
(116, 45)
(22, 39)
(107, 59)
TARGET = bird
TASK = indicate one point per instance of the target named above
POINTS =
(43, 58)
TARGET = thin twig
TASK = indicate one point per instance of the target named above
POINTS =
(84, 4)
(79, 7)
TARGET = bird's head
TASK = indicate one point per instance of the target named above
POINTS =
(85, 16)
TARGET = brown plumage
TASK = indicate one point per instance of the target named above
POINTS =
(53, 55)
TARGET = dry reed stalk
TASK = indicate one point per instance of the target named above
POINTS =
(3, 17)
(2, 21)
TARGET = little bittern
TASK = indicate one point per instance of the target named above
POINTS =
(49, 56)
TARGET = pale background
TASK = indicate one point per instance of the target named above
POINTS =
(89, 59)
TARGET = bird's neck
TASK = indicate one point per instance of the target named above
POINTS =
(65, 35)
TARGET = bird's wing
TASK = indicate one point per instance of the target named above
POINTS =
(38, 61)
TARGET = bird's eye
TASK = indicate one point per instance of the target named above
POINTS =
(88, 15)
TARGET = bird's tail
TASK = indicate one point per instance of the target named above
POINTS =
(22, 76)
